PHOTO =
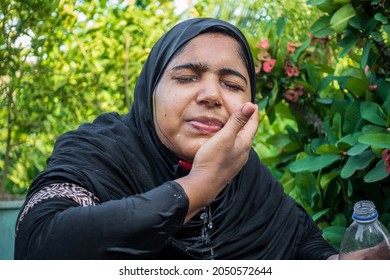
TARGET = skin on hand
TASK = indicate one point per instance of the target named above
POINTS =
(204, 115)
(378, 252)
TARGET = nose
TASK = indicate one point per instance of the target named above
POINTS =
(210, 93)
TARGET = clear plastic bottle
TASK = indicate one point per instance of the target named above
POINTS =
(366, 238)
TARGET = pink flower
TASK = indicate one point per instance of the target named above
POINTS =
(386, 159)
(372, 87)
(296, 71)
(291, 47)
(292, 95)
(269, 65)
(264, 56)
(299, 89)
(291, 71)
(258, 65)
(263, 44)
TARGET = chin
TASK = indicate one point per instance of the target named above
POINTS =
(188, 148)
(188, 156)
(189, 153)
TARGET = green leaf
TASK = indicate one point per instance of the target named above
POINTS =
(326, 6)
(347, 43)
(379, 140)
(381, 18)
(373, 113)
(279, 140)
(370, 129)
(312, 74)
(334, 234)
(341, 1)
(305, 188)
(357, 86)
(365, 54)
(356, 163)
(339, 220)
(321, 27)
(326, 101)
(327, 178)
(377, 173)
(329, 132)
(377, 36)
(383, 89)
(350, 139)
(352, 119)
(327, 149)
(325, 82)
(275, 91)
(340, 18)
(263, 103)
(313, 163)
(357, 149)
(292, 147)
(315, 2)
(288, 182)
(360, 21)
(386, 108)
(281, 26)
(386, 28)
(321, 213)
(336, 127)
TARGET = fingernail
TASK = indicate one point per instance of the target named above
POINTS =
(248, 109)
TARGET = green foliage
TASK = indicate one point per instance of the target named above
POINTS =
(252, 16)
(337, 151)
(80, 58)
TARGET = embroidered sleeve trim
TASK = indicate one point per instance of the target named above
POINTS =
(73, 192)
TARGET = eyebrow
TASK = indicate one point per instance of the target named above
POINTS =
(201, 67)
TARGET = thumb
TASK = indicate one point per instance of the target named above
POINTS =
(239, 118)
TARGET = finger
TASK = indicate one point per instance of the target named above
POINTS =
(250, 128)
(239, 119)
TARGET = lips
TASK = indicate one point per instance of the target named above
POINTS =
(206, 125)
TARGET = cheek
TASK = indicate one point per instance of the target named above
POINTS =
(235, 103)
(161, 113)
(165, 116)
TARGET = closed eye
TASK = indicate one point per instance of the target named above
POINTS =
(186, 79)
(232, 86)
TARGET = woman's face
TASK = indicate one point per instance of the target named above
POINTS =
(199, 90)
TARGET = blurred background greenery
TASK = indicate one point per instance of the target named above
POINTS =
(322, 78)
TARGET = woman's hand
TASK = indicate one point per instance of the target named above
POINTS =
(220, 158)
(378, 252)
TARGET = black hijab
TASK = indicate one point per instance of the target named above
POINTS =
(118, 156)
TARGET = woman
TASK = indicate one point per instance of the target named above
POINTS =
(176, 178)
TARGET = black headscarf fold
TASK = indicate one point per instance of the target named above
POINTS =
(117, 156)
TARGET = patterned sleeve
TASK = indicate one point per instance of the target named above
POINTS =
(73, 192)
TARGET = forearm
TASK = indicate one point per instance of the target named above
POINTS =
(134, 227)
